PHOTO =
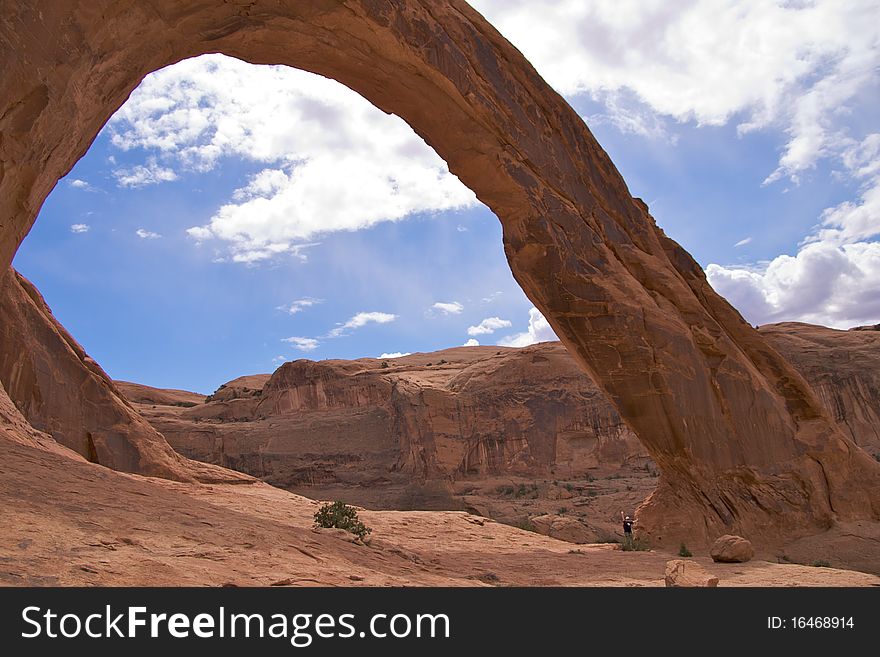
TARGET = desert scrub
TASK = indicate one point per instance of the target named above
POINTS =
(340, 515)
(635, 545)
(684, 552)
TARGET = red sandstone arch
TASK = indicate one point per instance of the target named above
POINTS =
(740, 439)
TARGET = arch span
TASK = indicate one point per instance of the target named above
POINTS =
(741, 441)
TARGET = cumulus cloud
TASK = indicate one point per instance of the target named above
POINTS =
(303, 344)
(147, 234)
(299, 305)
(488, 325)
(831, 280)
(395, 354)
(333, 162)
(822, 284)
(791, 65)
(79, 228)
(539, 330)
(151, 173)
(472, 342)
(448, 308)
(362, 319)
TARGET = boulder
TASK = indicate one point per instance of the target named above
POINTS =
(681, 573)
(732, 549)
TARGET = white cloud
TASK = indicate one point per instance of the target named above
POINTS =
(395, 354)
(823, 284)
(76, 183)
(299, 305)
(743, 242)
(303, 344)
(362, 319)
(832, 278)
(792, 65)
(279, 360)
(333, 161)
(152, 173)
(488, 325)
(539, 330)
(472, 342)
(147, 234)
(79, 228)
(448, 307)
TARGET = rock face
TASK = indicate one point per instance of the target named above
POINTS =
(742, 442)
(66, 395)
(563, 528)
(688, 573)
(442, 415)
(843, 368)
(731, 549)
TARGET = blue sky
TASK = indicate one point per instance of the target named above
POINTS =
(230, 217)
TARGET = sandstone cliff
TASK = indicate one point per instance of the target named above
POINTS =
(843, 368)
(442, 415)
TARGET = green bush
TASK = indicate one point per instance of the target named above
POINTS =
(821, 563)
(635, 545)
(384, 364)
(684, 552)
(340, 515)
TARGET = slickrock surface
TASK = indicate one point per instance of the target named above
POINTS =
(71, 522)
(742, 443)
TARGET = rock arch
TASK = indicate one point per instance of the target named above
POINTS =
(741, 441)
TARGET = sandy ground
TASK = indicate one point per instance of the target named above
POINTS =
(67, 522)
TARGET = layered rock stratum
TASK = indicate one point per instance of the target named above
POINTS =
(743, 444)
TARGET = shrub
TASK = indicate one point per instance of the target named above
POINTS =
(636, 545)
(562, 510)
(821, 563)
(684, 552)
(384, 364)
(341, 516)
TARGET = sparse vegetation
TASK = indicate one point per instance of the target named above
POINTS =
(877, 457)
(385, 364)
(530, 491)
(562, 510)
(592, 493)
(821, 563)
(684, 552)
(442, 362)
(505, 490)
(340, 515)
(636, 545)
(569, 487)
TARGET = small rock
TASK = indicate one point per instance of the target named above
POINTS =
(356, 578)
(731, 549)
(680, 572)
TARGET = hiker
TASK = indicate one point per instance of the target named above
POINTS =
(627, 529)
